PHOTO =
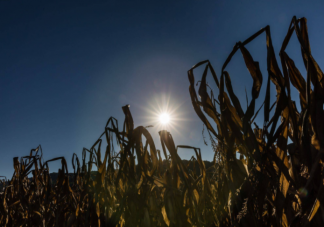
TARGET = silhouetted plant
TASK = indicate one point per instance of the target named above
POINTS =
(271, 184)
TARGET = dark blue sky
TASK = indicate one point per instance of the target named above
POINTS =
(67, 66)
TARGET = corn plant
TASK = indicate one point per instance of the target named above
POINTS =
(273, 183)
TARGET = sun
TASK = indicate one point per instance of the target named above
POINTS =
(164, 113)
(164, 118)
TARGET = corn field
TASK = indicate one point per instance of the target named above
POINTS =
(274, 182)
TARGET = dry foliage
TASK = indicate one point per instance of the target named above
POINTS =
(272, 184)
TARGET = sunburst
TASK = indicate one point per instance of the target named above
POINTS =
(164, 118)
(165, 113)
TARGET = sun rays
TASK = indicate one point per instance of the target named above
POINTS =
(164, 118)
(165, 113)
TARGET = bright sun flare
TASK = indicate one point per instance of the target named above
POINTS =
(164, 118)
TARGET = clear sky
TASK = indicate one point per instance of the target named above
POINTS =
(67, 66)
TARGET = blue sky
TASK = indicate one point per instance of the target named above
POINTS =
(67, 66)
